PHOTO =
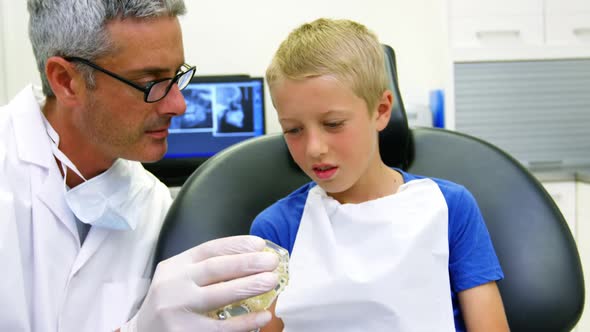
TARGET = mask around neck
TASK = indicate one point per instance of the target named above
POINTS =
(103, 201)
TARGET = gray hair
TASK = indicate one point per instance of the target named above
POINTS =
(77, 27)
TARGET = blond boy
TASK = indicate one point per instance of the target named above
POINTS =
(373, 248)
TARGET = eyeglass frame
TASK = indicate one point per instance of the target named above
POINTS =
(147, 89)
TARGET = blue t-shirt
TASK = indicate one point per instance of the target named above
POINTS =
(472, 259)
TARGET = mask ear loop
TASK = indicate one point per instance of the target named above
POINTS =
(64, 161)
(64, 170)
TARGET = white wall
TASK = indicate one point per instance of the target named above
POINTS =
(19, 63)
(231, 36)
(2, 56)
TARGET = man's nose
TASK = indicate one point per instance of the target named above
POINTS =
(173, 104)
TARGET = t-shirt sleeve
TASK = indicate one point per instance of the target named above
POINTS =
(472, 258)
(263, 226)
(279, 222)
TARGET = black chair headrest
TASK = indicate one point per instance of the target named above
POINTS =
(394, 139)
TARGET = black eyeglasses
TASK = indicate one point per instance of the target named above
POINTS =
(153, 91)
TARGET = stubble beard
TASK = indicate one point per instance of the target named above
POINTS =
(104, 132)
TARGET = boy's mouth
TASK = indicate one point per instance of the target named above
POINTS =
(324, 172)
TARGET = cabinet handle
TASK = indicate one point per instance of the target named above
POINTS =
(497, 33)
(579, 32)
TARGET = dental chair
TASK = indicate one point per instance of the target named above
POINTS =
(543, 289)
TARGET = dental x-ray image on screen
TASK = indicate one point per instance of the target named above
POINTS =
(233, 109)
(198, 112)
(220, 111)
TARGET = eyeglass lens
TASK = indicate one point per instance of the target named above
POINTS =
(160, 89)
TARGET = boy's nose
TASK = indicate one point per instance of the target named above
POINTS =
(316, 145)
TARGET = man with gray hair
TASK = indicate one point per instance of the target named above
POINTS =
(80, 215)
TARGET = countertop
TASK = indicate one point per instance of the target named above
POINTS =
(561, 174)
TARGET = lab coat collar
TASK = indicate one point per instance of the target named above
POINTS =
(32, 141)
(33, 146)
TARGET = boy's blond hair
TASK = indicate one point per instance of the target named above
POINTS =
(343, 49)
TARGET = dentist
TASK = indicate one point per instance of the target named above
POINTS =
(79, 215)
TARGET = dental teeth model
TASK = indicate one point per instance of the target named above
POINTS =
(262, 301)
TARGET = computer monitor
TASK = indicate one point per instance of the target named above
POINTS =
(220, 111)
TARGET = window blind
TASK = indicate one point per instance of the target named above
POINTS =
(537, 111)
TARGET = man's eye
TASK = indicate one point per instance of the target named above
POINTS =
(145, 82)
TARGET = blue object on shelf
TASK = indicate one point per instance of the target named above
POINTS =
(437, 107)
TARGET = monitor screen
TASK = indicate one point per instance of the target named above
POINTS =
(220, 111)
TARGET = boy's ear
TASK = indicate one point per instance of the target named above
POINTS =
(66, 83)
(383, 111)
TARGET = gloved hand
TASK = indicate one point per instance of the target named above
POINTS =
(204, 278)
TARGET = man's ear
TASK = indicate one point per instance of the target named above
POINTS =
(66, 83)
(383, 111)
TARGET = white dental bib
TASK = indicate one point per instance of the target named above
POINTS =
(380, 265)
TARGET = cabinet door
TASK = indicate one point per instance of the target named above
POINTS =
(564, 195)
(497, 31)
(566, 6)
(567, 22)
(481, 8)
(500, 23)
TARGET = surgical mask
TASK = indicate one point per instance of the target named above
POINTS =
(103, 201)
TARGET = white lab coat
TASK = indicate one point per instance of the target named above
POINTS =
(49, 282)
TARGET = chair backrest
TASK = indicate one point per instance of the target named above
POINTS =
(543, 289)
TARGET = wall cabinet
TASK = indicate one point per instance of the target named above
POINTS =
(496, 23)
(526, 29)
(520, 77)
(567, 22)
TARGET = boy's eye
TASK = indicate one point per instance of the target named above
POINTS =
(292, 131)
(335, 124)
